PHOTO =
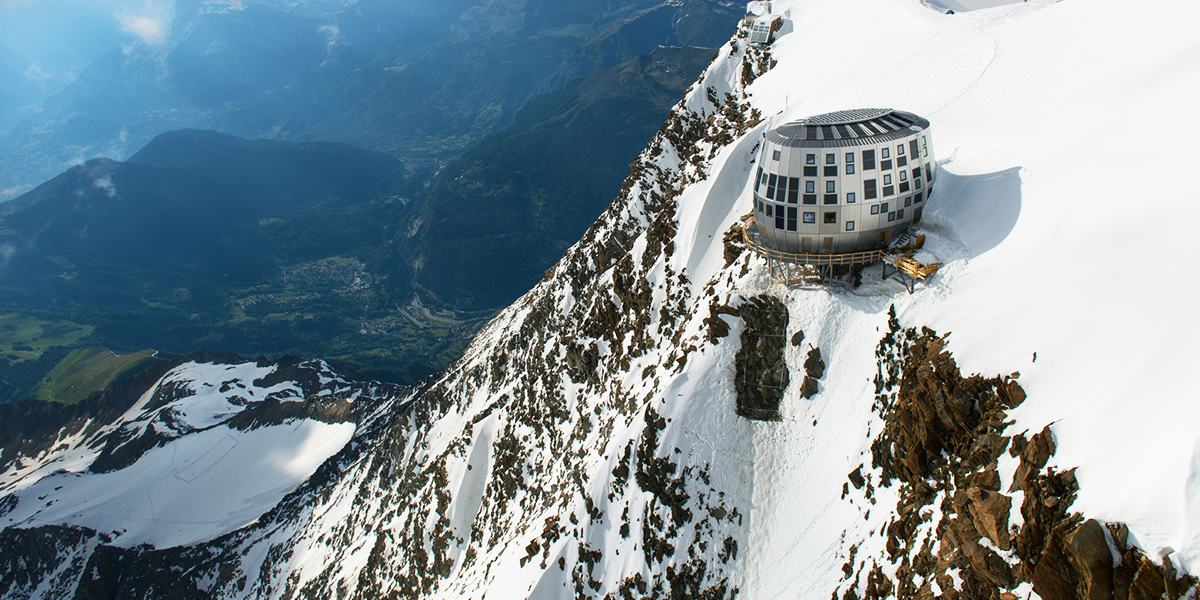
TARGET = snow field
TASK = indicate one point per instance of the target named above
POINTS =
(202, 480)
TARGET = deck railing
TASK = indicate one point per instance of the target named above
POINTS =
(851, 258)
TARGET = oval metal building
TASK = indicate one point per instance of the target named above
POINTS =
(843, 182)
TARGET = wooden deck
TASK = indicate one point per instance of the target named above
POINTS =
(811, 268)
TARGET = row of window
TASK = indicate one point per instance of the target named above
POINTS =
(780, 187)
(785, 216)
(810, 199)
(788, 222)
(868, 158)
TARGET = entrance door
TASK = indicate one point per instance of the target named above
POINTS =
(884, 237)
(828, 245)
(805, 245)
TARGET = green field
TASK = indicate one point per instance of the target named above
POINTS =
(84, 371)
(26, 338)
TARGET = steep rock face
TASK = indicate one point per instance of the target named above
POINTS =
(961, 529)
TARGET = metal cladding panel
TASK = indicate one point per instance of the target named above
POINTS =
(870, 130)
(867, 126)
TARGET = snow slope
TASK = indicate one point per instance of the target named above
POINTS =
(203, 475)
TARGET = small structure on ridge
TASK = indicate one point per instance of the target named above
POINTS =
(841, 188)
(843, 182)
(762, 23)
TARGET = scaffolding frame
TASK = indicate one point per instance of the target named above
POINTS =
(800, 269)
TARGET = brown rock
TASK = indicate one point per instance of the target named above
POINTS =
(1034, 455)
(1148, 583)
(987, 565)
(808, 388)
(987, 479)
(813, 365)
(1093, 560)
(989, 511)
(1053, 577)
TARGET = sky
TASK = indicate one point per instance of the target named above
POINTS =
(45, 44)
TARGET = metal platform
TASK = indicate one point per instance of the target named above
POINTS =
(753, 239)
(793, 269)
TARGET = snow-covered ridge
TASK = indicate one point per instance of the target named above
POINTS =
(206, 449)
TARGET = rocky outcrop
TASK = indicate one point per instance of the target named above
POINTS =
(762, 372)
(941, 445)
(814, 369)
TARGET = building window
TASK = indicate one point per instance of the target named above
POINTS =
(908, 201)
(850, 169)
(900, 150)
(883, 207)
(887, 179)
(810, 159)
(758, 179)
(830, 217)
(793, 189)
(869, 191)
(916, 172)
(849, 225)
(775, 155)
(889, 190)
(810, 171)
(830, 198)
(831, 159)
(810, 186)
(924, 147)
(831, 171)
(791, 219)
(884, 152)
(868, 160)
(849, 157)
(912, 148)
(770, 210)
(891, 216)
(771, 186)
(902, 161)
(917, 182)
(928, 172)
(900, 214)
(886, 165)
(903, 175)
(874, 209)
(917, 198)
(810, 198)
(810, 217)
(830, 187)
(779, 223)
(849, 197)
(903, 187)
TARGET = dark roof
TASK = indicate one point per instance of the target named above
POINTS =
(858, 127)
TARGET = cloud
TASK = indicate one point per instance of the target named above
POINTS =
(35, 72)
(106, 184)
(151, 23)
(330, 33)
